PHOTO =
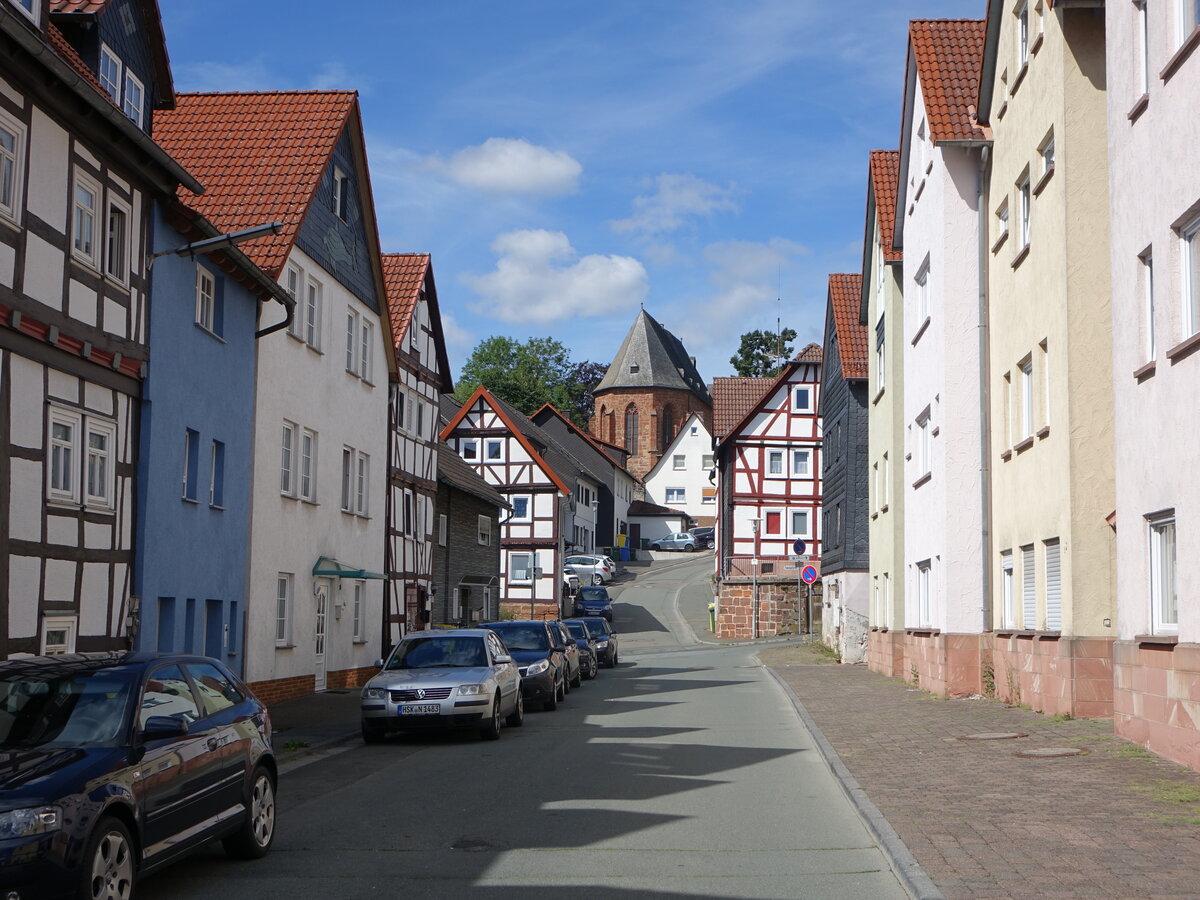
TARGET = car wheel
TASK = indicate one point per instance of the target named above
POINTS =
(108, 865)
(257, 833)
(597, 578)
(595, 668)
(551, 704)
(516, 718)
(688, 548)
(490, 730)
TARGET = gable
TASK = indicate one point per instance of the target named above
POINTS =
(341, 248)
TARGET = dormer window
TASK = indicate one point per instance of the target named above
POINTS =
(110, 74)
(634, 368)
(133, 98)
(27, 7)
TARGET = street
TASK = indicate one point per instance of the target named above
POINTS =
(683, 772)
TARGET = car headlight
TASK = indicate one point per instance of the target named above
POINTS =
(600, 645)
(23, 822)
(371, 693)
(470, 689)
(538, 667)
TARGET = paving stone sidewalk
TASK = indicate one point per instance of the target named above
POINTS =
(984, 822)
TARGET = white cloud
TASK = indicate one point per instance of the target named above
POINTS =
(514, 166)
(676, 199)
(335, 76)
(540, 278)
(457, 337)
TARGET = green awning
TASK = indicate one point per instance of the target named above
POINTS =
(331, 568)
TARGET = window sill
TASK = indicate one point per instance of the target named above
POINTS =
(1139, 106)
(217, 506)
(117, 284)
(63, 503)
(920, 331)
(879, 396)
(1020, 257)
(1043, 432)
(928, 476)
(1181, 55)
(285, 646)
(1006, 455)
(883, 508)
(1000, 241)
(191, 500)
(1022, 445)
(1002, 110)
(1142, 373)
(1037, 43)
(212, 334)
(919, 192)
(86, 263)
(307, 502)
(1184, 349)
(358, 642)
(1163, 640)
(316, 350)
(1012, 91)
(874, 515)
(923, 632)
(1043, 181)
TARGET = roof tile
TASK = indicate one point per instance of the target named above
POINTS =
(259, 155)
(64, 49)
(403, 276)
(78, 6)
(885, 177)
(949, 55)
(845, 296)
(733, 398)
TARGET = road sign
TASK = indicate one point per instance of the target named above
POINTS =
(789, 568)
(799, 546)
(801, 558)
(809, 574)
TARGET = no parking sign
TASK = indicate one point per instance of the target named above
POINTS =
(808, 574)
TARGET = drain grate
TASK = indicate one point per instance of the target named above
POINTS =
(992, 736)
(1050, 752)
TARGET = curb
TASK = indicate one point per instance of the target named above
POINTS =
(914, 879)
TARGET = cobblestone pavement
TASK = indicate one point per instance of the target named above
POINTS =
(984, 822)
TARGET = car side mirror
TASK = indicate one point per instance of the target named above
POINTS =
(160, 727)
(378, 663)
(500, 659)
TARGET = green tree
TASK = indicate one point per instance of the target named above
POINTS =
(763, 353)
(530, 374)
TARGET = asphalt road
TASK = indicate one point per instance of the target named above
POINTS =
(685, 772)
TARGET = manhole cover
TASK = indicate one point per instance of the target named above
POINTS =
(471, 845)
(992, 736)
(1050, 752)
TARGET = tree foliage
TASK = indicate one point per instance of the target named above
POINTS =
(762, 354)
(531, 374)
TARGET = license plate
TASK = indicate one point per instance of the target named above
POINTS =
(421, 709)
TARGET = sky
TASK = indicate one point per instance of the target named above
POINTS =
(565, 161)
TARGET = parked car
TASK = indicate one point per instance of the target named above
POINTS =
(606, 639)
(574, 665)
(459, 678)
(594, 569)
(589, 659)
(593, 600)
(680, 541)
(541, 666)
(93, 795)
(703, 535)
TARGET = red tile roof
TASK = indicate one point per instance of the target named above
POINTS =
(811, 353)
(64, 49)
(260, 156)
(403, 276)
(732, 399)
(78, 6)
(845, 296)
(949, 54)
(885, 178)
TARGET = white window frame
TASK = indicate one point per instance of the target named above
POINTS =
(443, 530)
(366, 356)
(707, 498)
(132, 81)
(1150, 344)
(108, 430)
(880, 365)
(528, 517)
(1189, 234)
(294, 283)
(1023, 191)
(498, 445)
(806, 531)
(288, 446)
(353, 339)
(675, 496)
(191, 448)
(707, 461)
(774, 458)
(216, 475)
(1023, 31)
(113, 89)
(361, 489)
(357, 608)
(69, 624)
(285, 592)
(925, 593)
(313, 308)
(347, 479)
(801, 469)
(206, 302)
(120, 253)
(923, 451)
(341, 194)
(1143, 40)
(484, 531)
(70, 467)
(1008, 609)
(797, 405)
(89, 256)
(10, 208)
(306, 475)
(922, 282)
(469, 448)
(530, 565)
(1164, 577)
(679, 462)
(1027, 398)
(1187, 19)
(1002, 219)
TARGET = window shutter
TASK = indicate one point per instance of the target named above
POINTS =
(1053, 586)
(1028, 597)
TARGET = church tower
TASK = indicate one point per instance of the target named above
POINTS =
(648, 392)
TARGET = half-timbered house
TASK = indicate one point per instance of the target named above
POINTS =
(769, 494)
(317, 539)
(78, 172)
(422, 375)
(538, 478)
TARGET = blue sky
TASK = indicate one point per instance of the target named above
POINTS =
(565, 161)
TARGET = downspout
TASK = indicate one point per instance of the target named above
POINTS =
(985, 471)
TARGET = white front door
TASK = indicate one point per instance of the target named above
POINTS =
(323, 591)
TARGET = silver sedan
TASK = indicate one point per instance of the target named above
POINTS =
(464, 678)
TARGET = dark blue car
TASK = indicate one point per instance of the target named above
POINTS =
(113, 765)
(594, 601)
(539, 658)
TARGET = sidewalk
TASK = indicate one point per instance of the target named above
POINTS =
(314, 722)
(1114, 821)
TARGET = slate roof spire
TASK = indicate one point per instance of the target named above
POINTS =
(650, 356)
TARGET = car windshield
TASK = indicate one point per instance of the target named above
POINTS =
(436, 652)
(80, 709)
(578, 630)
(594, 593)
(523, 637)
(597, 628)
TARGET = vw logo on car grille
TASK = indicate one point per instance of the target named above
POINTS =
(420, 693)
